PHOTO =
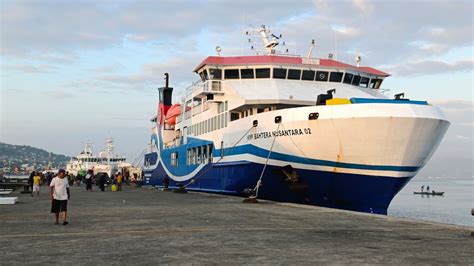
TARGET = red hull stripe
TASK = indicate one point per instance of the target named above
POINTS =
(275, 59)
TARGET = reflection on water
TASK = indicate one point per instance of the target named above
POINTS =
(453, 208)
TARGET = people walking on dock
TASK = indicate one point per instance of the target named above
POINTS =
(102, 182)
(59, 195)
(422, 187)
(427, 188)
(119, 181)
(49, 177)
(88, 180)
(36, 184)
(30, 181)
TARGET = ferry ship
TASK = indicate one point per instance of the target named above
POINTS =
(292, 129)
(104, 162)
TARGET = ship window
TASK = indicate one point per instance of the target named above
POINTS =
(375, 83)
(322, 76)
(222, 149)
(348, 78)
(204, 154)
(188, 156)
(308, 75)
(262, 73)
(202, 76)
(294, 74)
(215, 73)
(260, 110)
(356, 80)
(279, 73)
(335, 77)
(231, 74)
(174, 158)
(226, 118)
(364, 82)
(193, 154)
(246, 73)
(199, 155)
(234, 116)
(210, 149)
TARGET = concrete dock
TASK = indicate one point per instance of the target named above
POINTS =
(147, 226)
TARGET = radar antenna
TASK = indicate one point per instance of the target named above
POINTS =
(264, 37)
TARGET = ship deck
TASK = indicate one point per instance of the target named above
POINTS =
(143, 225)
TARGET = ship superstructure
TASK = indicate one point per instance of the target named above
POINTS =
(294, 129)
(104, 162)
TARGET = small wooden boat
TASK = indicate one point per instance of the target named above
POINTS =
(432, 193)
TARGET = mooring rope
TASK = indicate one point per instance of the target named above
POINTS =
(259, 182)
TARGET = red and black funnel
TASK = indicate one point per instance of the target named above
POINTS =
(164, 103)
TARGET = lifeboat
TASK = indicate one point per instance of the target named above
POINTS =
(172, 113)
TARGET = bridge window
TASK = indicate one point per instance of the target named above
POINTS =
(203, 75)
(308, 75)
(246, 73)
(335, 77)
(364, 82)
(294, 74)
(262, 73)
(279, 73)
(322, 76)
(375, 83)
(348, 78)
(356, 80)
(215, 73)
(231, 74)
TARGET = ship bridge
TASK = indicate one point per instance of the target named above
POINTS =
(271, 82)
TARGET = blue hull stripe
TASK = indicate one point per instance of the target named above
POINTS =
(251, 149)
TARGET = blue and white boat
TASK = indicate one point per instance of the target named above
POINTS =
(292, 129)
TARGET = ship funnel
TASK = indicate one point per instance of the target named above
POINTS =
(165, 99)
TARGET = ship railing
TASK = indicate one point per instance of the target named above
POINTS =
(209, 86)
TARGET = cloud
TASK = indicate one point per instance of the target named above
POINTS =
(88, 25)
(430, 67)
(28, 68)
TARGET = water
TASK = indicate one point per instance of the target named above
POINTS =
(452, 208)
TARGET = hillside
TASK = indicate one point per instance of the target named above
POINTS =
(22, 157)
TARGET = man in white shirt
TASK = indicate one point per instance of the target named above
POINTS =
(59, 196)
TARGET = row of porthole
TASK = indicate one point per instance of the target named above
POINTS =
(278, 119)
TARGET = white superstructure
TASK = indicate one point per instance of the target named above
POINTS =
(104, 162)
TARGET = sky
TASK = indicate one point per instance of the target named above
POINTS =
(80, 71)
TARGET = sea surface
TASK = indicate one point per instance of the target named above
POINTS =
(452, 208)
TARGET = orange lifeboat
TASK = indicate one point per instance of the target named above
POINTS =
(172, 113)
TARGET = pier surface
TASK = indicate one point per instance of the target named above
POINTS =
(147, 226)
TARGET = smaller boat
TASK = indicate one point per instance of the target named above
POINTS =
(432, 193)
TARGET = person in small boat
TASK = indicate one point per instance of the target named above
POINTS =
(422, 187)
